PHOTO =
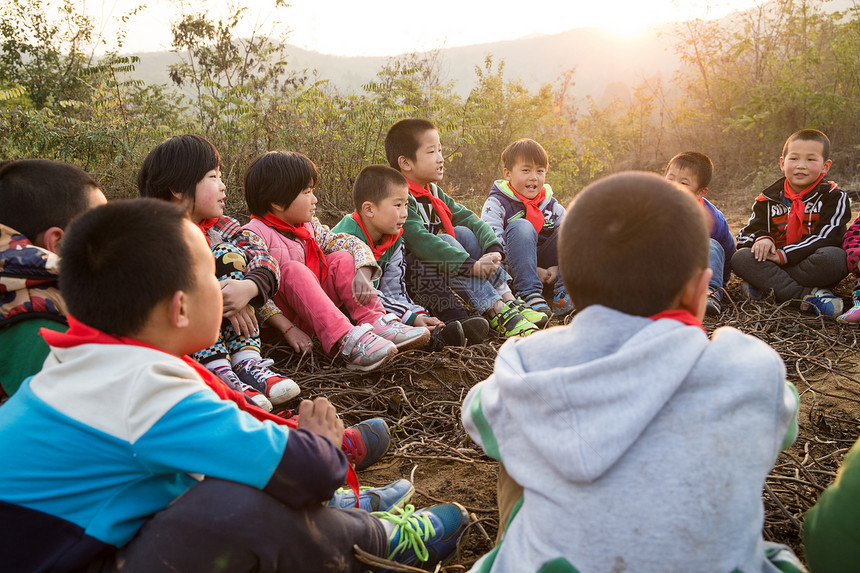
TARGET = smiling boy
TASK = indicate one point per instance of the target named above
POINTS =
(792, 242)
(525, 216)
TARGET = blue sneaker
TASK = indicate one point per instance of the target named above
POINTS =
(366, 442)
(562, 305)
(387, 498)
(822, 301)
(425, 537)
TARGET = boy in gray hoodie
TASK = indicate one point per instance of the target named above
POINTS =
(640, 443)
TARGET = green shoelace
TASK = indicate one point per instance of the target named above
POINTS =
(412, 535)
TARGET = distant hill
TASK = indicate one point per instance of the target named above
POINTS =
(599, 57)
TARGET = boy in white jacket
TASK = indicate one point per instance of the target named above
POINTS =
(657, 438)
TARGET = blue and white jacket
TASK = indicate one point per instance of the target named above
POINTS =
(107, 435)
(502, 207)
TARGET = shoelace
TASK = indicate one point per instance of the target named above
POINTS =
(411, 534)
(258, 369)
(352, 449)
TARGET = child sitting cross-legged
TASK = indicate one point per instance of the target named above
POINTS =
(792, 242)
(320, 270)
(526, 219)
(659, 436)
(186, 169)
(381, 195)
(104, 452)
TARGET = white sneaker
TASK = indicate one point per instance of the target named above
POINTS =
(389, 327)
(364, 350)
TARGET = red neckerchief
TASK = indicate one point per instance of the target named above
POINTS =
(79, 333)
(683, 316)
(439, 206)
(387, 240)
(794, 228)
(314, 256)
(533, 212)
(204, 226)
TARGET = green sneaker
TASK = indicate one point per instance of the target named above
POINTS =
(510, 322)
(534, 309)
(425, 537)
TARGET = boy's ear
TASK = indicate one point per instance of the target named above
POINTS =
(404, 163)
(827, 165)
(177, 310)
(702, 192)
(694, 295)
(506, 174)
(50, 239)
(366, 209)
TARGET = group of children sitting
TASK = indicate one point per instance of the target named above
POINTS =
(659, 436)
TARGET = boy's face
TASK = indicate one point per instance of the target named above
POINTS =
(204, 302)
(427, 167)
(209, 196)
(526, 178)
(300, 211)
(803, 162)
(686, 178)
(387, 217)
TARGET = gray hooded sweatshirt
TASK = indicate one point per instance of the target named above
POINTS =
(641, 445)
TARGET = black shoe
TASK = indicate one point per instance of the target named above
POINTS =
(451, 335)
(476, 329)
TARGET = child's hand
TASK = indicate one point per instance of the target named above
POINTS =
(320, 417)
(428, 322)
(237, 294)
(362, 288)
(244, 321)
(298, 340)
(765, 250)
(486, 266)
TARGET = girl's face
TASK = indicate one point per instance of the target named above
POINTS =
(301, 210)
(209, 196)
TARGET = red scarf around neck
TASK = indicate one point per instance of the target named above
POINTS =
(204, 225)
(794, 228)
(533, 213)
(439, 206)
(314, 256)
(79, 333)
(387, 240)
(683, 316)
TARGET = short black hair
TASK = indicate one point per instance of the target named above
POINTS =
(37, 194)
(809, 135)
(631, 241)
(176, 165)
(374, 184)
(277, 177)
(120, 260)
(403, 138)
(527, 150)
(698, 163)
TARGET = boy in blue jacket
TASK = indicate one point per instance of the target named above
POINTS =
(692, 171)
(526, 218)
(103, 449)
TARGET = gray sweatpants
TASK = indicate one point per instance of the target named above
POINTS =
(823, 268)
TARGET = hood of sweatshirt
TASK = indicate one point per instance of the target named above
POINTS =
(584, 398)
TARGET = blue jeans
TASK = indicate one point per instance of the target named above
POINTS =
(717, 261)
(481, 293)
(524, 255)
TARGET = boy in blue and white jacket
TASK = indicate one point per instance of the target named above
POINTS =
(526, 218)
(103, 450)
(659, 438)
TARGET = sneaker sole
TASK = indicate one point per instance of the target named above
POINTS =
(415, 342)
(377, 364)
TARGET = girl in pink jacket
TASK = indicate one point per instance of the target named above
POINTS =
(320, 270)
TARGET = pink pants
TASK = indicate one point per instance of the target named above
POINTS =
(308, 304)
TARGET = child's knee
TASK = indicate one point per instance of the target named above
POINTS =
(230, 262)
(341, 260)
(520, 229)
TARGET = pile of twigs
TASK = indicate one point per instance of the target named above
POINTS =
(420, 394)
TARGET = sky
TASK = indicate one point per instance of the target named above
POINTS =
(385, 27)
